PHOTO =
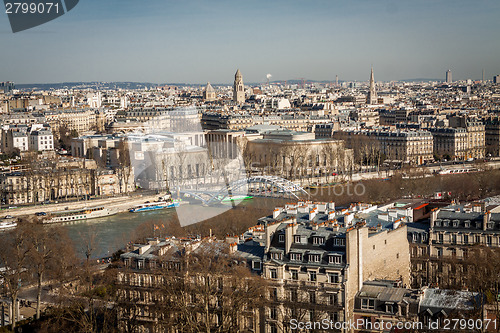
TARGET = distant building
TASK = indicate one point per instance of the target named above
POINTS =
(238, 88)
(15, 137)
(450, 142)
(7, 86)
(492, 136)
(496, 79)
(209, 93)
(448, 76)
(298, 155)
(41, 139)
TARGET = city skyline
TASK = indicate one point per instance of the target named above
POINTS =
(196, 42)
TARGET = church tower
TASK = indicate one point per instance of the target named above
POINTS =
(238, 88)
(372, 94)
(209, 93)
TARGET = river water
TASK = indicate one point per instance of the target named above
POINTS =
(106, 235)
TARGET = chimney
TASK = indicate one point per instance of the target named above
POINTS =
(434, 214)
(486, 219)
(312, 213)
(276, 212)
(289, 237)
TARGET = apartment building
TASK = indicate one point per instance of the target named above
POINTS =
(451, 143)
(383, 306)
(439, 249)
(186, 284)
(315, 259)
(492, 136)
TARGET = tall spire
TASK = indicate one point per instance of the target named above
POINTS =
(372, 94)
(238, 88)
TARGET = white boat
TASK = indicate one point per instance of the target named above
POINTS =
(80, 214)
(4, 225)
(153, 206)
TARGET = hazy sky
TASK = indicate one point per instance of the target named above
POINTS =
(207, 40)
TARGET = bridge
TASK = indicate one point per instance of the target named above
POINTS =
(261, 186)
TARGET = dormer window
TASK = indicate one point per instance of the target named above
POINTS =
(478, 225)
(339, 242)
(490, 225)
(367, 304)
(335, 259)
(467, 223)
(296, 256)
(281, 238)
(438, 223)
(277, 256)
(314, 257)
(389, 308)
(455, 223)
(296, 239)
(318, 240)
(446, 223)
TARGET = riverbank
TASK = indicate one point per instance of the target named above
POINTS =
(117, 204)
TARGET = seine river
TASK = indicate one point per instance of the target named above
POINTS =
(109, 234)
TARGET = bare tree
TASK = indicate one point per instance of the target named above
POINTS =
(14, 256)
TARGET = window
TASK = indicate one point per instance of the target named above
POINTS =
(312, 276)
(294, 296)
(281, 238)
(273, 294)
(453, 252)
(454, 239)
(314, 258)
(389, 308)
(339, 241)
(273, 314)
(440, 237)
(466, 239)
(318, 240)
(273, 273)
(277, 256)
(439, 252)
(335, 259)
(478, 239)
(367, 303)
(332, 299)
(295, 274)
(489, 240)
(296, 256)
(256, 265)
(312, 297)
(296, 239)
(333, 277)
(334, 316)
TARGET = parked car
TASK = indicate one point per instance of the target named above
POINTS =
(40, 214)
(8, 217)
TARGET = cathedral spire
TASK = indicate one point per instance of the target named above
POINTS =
(372, 94)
